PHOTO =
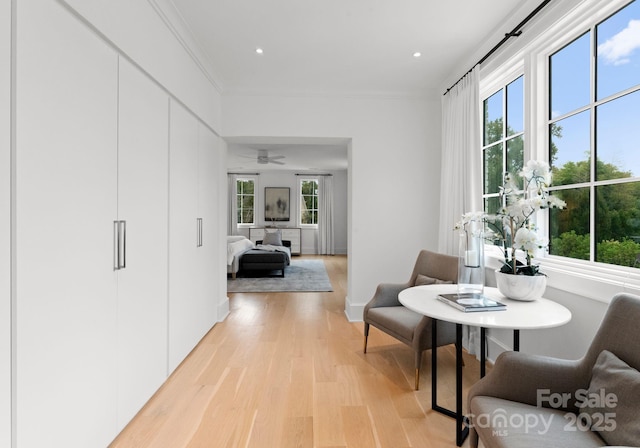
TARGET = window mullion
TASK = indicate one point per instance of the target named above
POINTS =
(593, 149)
(504, 128)
(592, 187)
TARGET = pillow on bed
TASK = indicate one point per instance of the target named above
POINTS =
(272, 238)
(425, 280)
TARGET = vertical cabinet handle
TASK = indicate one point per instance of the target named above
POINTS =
(120, 245)
(116, 245)
(199, 232)
(123, 253)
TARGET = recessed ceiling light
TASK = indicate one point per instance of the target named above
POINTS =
(417, 54)
(259, 50)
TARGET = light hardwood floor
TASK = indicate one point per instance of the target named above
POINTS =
(287, 370)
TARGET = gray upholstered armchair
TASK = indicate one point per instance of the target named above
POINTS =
(531, 401)
(386, 313)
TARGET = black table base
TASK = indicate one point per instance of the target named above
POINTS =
(462, 427)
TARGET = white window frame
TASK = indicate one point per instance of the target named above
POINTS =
(300, 180)
(255, 199)
(597, 281)
(496, 86)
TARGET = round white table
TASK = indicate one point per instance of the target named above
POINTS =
(538, 314)
(535, 315)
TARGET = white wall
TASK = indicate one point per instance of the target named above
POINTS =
(393, 173)
(309, 237)
(5, 223)
(223, 194)
(340, 212)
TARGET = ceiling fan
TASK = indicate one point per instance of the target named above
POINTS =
(264, 158)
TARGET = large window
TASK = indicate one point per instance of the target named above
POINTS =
(245, 189)
(503, 139)
(594, 142)
(309, 201)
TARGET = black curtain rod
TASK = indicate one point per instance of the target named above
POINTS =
(246, 174)
(514, 33)
(312, 174)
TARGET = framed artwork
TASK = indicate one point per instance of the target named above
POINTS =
(276, 204)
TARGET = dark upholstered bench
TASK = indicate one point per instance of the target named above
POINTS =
(263, 260)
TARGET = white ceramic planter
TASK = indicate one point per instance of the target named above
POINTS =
(521, 287)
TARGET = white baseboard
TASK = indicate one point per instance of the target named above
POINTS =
(223, 309)
(353, 312)
(495, 347)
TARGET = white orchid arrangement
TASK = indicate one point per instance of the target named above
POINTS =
(511, 226)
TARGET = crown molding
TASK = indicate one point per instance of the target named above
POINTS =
(426, 95)
(173, 19)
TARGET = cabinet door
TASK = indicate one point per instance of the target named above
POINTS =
(292, 235)
(209, 246)
(5, 225)
(65, 321)
(184, 286)
(143, 203)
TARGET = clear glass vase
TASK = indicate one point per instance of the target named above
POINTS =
(471, 259)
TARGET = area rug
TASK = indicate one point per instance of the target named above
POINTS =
(301, 275)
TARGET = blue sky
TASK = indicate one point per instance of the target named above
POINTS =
(618, 68)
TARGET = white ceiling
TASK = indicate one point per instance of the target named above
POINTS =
(300, 155)
(345, 47)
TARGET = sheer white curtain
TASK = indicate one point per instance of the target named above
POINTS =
(461, 168)
(325, 216)
(461, 182)
(232, 209)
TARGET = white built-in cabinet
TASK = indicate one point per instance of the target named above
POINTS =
(66, 202)
(209, 249)
(5, 224)
(193, 223)
(116, 233)
(143, 203)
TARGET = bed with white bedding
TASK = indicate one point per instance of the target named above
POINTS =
(236, 246)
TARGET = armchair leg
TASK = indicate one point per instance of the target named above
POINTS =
(418, 365)
(366, 336)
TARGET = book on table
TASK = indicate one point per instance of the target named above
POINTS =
(471, 302)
